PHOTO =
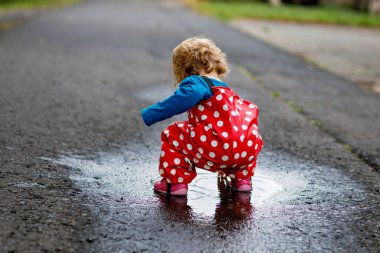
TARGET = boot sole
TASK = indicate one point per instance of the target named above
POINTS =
(179, 192)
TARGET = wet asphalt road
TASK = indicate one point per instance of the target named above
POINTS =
(77, 164)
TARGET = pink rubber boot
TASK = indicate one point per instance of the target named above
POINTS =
(243, 185)
(172, 189)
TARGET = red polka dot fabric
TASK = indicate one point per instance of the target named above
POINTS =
(220, 135)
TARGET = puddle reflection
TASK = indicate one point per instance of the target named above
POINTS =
(211, 197)
(233, 205)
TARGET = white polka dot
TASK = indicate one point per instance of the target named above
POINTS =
(225, 158)
(162, 153)
(251, 158)
(247, 119)
(207, 128)
(225, 134)
(173, 171)
(219, 97)
(214, 143)
(198, 155)
(242, 138)
(180, 180)
(200, 150)
(185, 152)
(236, 128)
(210, 163)
(192, 134)
(242, 167)
(187, 174)
(171, 150)
(203, 117)
(195, 160)
(236, 156)
(250, 143)
(245, 172)
(251, 106)
(232, 176)
(249, 113)
(201, 107)
(231, 98)
(189, 146)
(196, 119)
(234, 144)
(187, 160)
(244, 127)
(233, 113)
(165, 164)
(238, 107)
(223, 166)
(206, 167)
(203, 138)
(177, 161)
(216, 114)
(168, 180)
(226, 145)
(254, 132)
(234, 166)
(243, 154)
(225, 107)
(209, 103)
(219, 123)
(211, 154)
(256, 146)
(175, 143)
(166, 132)
(181, 137)
(161, 172)
(180, 125)
(240, 101)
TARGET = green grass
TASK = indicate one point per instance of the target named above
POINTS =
(33, 4)
(320, 14)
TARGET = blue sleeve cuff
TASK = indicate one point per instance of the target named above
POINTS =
(146, 117)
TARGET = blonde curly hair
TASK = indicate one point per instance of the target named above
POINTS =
(196, 54)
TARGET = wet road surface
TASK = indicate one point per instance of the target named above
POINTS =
(293, 201)
(77, 163)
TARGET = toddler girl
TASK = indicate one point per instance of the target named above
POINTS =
(221, 132)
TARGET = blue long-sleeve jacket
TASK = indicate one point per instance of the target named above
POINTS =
(191, 90)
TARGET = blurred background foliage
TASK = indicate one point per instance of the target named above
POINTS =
(365, 5)
(342, 12)
(31, 4)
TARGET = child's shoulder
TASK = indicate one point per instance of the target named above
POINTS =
(193, 79)
(198, 80)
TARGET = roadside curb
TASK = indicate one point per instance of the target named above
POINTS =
(10, 19)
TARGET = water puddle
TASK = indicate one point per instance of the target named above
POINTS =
(113, 175)
(129, 174)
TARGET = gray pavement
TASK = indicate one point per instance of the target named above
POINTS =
(77, 163)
